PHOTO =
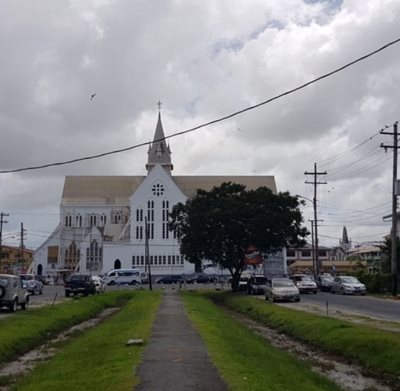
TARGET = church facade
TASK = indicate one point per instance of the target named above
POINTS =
(103, 218)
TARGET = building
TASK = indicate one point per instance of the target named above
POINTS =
(102, 218)
(15, 260)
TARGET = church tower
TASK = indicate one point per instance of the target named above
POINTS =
(159, 152)
(345, 243)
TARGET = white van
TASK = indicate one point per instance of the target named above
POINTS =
(123, 276)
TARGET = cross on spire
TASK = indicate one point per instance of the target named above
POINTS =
(159, 104)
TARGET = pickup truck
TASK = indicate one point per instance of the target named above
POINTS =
(79, 283)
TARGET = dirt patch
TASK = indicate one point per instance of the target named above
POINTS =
(347, 376)
(25, 363)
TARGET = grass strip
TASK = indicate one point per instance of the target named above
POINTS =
(245, 360)
(24, 330)
(99, 359)
(377, 350)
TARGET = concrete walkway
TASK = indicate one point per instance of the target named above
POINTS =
(176, 357)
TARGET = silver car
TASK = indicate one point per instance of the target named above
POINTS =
(348, 285)
(281, 289)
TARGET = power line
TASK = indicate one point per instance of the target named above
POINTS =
(210, 122)
(341, 155)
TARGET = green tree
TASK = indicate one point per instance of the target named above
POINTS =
(219, 225)
(386, 247)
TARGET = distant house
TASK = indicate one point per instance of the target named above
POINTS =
(369, 253)
(15, 260)
(300, 260)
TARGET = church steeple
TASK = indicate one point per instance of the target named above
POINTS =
(159, 152)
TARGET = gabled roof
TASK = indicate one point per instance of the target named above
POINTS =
(116, 190)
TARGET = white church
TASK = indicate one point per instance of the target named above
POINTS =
(102, 218)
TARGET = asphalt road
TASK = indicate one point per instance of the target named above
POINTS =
(380, 308)
(384, 309)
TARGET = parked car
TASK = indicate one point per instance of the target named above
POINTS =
(324, 282)
(79, 283)
(200, 279)
(99, 284)
(144, 277)
(348, 285)
(123, 276)
(305, 283)
(282, 289)
(242, 287)
(256, 285)
(170, 280)
(34, 283)
(13, 292)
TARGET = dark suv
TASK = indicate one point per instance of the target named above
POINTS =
(79, 283)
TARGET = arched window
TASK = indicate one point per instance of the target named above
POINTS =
(94, 256)
(78, 220)
(117, 264)
(68, 220)
(71, 256)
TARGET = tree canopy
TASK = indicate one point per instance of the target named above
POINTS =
(221, 224)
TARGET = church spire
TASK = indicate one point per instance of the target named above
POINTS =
(159, 152)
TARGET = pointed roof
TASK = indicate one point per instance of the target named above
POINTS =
(345, 238)
(159, 152)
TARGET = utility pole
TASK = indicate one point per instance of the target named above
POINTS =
(315, 183)
(22, 247)
(313, 247)
(2, 221)
(146, 251)
(394, 206)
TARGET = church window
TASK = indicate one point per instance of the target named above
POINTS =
(158, 189)
(142, 260)
(173, 259)
(116, 217)
(133, 260)
(94, 256)
(78, 220)
(152, 260)
(169, 259)
(164, 260)
(72, 256)
(182, 260)
(92, 220)
(103, 219)
(68, 220)
(139, 215)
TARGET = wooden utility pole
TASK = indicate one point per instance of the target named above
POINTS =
(315, 183)
(2, 221)
(394, 207)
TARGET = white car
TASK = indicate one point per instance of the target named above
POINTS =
(33, 283)
(281, 289)
(348, 285)
(305, 283)
(99, 284)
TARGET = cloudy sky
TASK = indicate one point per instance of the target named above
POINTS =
(203, 59)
